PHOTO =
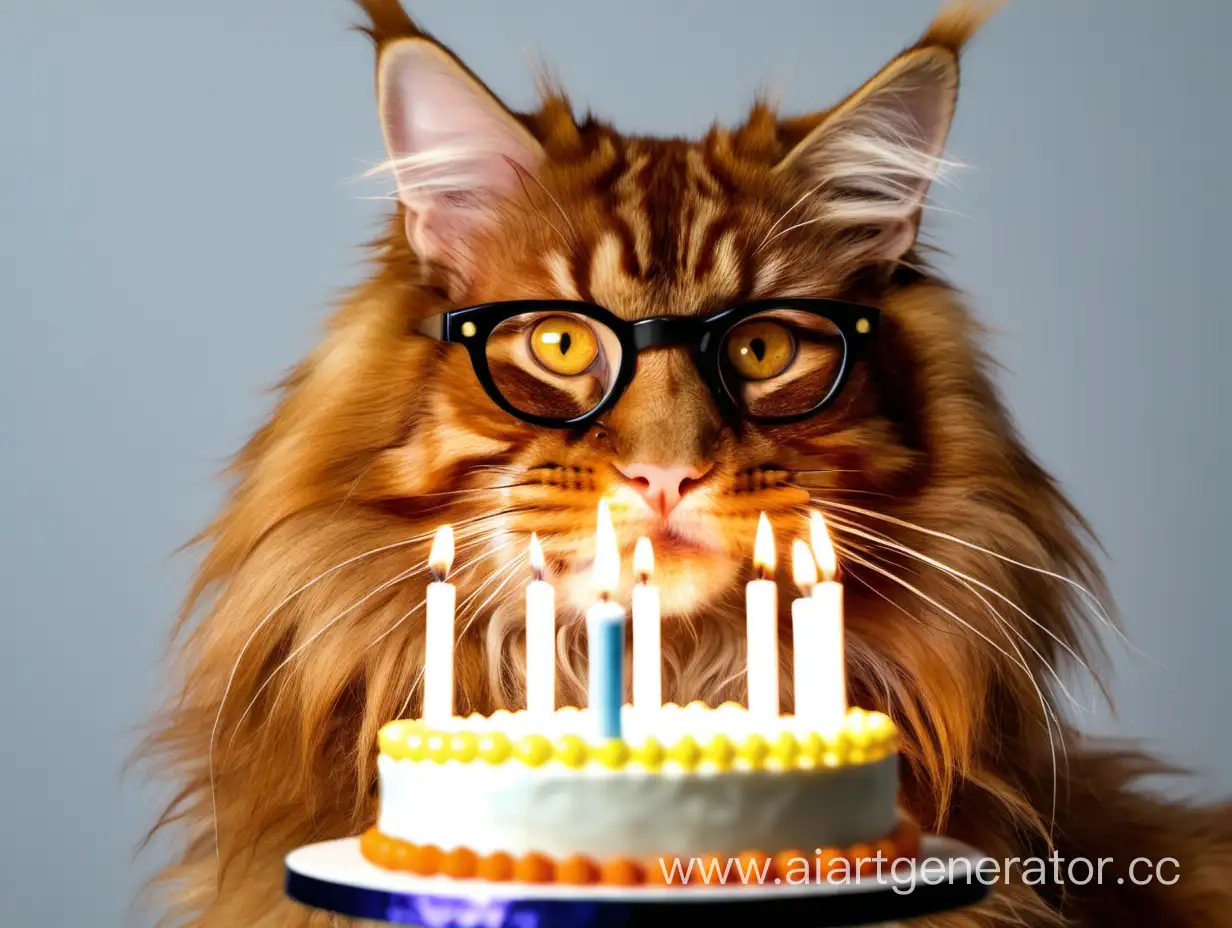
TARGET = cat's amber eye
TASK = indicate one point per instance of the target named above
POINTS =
(760, 349)
(564, 345)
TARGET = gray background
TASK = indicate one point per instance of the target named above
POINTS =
(178, 209)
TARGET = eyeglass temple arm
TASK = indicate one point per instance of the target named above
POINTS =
(432, 327)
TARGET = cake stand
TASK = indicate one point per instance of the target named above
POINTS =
(334, 876)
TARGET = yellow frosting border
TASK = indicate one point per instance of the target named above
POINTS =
(865, 737)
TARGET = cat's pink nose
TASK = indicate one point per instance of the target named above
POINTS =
(662, 487)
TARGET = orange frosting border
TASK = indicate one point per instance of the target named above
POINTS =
(463, 864)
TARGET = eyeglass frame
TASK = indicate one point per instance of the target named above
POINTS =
(472, 326)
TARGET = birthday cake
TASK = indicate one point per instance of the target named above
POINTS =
(534, 798)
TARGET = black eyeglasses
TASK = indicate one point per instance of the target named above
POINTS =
(561, 364)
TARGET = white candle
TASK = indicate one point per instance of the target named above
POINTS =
(540, 636)
(762, 618)
(806, 632)
(605, 633)
(438, 637)
(647, 647)
(831, 665)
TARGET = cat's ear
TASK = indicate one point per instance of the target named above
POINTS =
(868, 163)
(453, 147)
(871, 159)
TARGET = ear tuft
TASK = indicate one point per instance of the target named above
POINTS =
(957, 22)
(454, 149)
(387, 21)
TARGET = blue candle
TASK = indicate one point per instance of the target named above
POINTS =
(605, 636)
(605, 633)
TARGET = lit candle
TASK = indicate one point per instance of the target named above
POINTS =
(540, 636)
(605, 632)
(806, 631)
(647, 663)
(762, 617)
(438, 638)
(830, 656)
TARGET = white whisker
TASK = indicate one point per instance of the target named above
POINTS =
(935, 604)
(1087, 595)
(471, 490)
(389, 631)
(511, 572)
(787, 212)
(467, 543)
(398, 578)
(843, 525)
(1049, 713)
(555, 202)
(411, 692)
(222, 702)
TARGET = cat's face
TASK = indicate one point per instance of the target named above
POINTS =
(502, 209)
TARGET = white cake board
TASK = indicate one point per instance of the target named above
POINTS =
(334, 876)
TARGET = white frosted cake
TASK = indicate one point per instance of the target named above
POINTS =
(538, 798)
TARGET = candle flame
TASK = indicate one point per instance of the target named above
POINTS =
(763, 548)
(607, 553)
(643, 558)
(823, 548)
(537, 561)
(441, 557)
(803, 567)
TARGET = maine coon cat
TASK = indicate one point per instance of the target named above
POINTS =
(970, 592)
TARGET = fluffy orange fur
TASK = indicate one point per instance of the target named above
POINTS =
(301, 635)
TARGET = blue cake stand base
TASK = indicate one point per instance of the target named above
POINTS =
(334, 876)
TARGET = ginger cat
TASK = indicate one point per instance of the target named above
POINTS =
(966, 572)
